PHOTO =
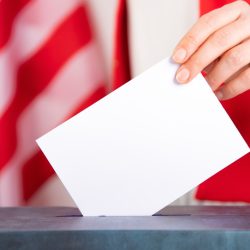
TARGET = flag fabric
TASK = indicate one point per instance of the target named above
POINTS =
(121, 66)
(232, 183)
(49, 70)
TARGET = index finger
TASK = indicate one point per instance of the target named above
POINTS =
(206, 26)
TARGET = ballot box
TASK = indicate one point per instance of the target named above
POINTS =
(184, 227)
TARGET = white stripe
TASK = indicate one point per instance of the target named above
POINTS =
(154, 32)
(32, 27)
(75, 82)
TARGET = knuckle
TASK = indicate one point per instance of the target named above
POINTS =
(192, 40)
(242, 4)
(246, 77)
(212, 81)
(245, 20)
(208, 20)
(221, 38)
(197, 65)
(233, 58)
(232, 89)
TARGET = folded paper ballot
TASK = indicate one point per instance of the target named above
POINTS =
(144, 145)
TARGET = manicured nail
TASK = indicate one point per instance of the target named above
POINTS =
(179, 55)
(219, 94)
(183, 75)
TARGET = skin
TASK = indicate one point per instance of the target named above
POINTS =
(219, 44)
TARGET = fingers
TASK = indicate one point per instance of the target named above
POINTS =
(230, 63)
(218, 43)
(210, 67)
(206, 26)
(215, 46)
(235, 86)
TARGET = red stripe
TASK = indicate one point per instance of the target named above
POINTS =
(38, 170)
(121, 70)
(34, 173)
(36, 73)
(8, 11)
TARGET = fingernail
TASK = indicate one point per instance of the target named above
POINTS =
(219, 95)
(183, 75)
(179, 55)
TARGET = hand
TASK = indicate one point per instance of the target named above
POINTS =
(219, 44)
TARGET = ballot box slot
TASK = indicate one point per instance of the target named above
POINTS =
(71, 215)
(172, 214)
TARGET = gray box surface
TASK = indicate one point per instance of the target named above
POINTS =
(190, 227)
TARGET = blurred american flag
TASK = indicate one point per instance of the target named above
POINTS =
(49, 70)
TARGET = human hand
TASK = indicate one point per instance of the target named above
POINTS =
(219, 44)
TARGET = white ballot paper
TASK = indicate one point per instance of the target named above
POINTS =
(144, 145)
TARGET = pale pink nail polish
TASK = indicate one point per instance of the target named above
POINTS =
(179, 55)
(183, 75)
